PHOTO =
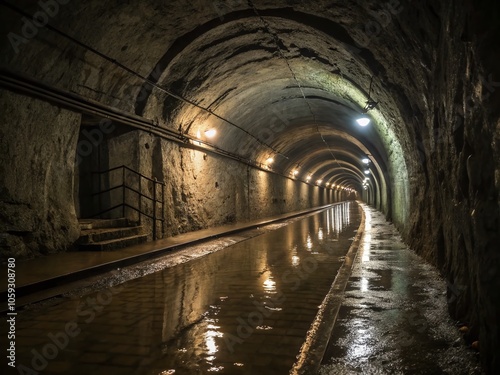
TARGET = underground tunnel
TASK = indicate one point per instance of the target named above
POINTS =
(182, 116)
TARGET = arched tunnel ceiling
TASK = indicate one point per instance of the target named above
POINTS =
(282, 77)
(285, 79)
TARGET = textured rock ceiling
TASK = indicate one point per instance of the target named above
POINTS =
(291, 77)
(281, 79)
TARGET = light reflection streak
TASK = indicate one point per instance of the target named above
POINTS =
(362, 344)
(295, 257)
(364, 284)
(309, 243)
(269, 285)
(367, 239)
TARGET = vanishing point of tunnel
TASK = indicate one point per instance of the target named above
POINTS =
(250, 187)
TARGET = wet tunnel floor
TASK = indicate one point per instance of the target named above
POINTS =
(244, 309)
(394, 319)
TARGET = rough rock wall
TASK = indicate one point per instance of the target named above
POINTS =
(205, 189)
(37, 214)
(455, 224)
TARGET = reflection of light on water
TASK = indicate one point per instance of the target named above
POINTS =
(239, 364)
(309, 243)
(167, 372)
(367, 239)
(368, 220)
(273, 308)
(210, 336)
(341, 217)
(216, 369)
(210, 342)
(320, 233)
(366, 248)
(336, 219)
(295, 258)
(362, 344)
(264, 328)
(364, 284)
(269, 285)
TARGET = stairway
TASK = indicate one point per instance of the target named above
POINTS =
(109, 234)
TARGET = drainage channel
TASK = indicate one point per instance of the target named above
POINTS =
(245, 309)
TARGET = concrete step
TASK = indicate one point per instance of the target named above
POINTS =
(105, 234)
(114, 244)
(87, 224)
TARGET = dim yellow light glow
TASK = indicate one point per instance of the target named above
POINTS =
(210, 133)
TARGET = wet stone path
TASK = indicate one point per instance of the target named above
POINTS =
(244, 309)
(394, 317)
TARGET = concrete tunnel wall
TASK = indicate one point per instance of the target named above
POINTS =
(434, 139)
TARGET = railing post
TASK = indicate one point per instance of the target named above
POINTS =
(154, 209)
(140, 199)
(163, 210)
(123, 191)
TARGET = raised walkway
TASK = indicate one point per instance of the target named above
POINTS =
(393, 316)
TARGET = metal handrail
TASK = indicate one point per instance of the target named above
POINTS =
(155, 200)
(130, 189)
(128, 169)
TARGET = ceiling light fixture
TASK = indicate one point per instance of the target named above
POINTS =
(210, 133)
(369, 105)
(363, 121)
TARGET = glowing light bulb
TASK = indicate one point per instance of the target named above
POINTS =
(363, 121)
(210, 133)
